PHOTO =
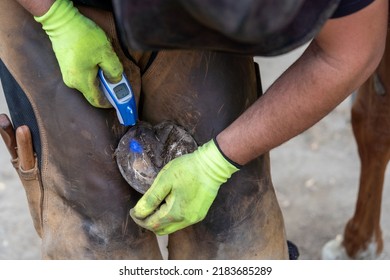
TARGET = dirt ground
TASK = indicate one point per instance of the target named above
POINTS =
(315, 176)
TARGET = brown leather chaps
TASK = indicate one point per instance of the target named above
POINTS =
(78, 199)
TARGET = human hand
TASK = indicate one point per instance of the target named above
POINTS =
(81, 47)
(183, 191)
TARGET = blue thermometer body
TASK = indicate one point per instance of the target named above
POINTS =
(121, 96)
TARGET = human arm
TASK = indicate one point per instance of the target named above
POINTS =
(36, 7)
(338, 60)
(81, 47)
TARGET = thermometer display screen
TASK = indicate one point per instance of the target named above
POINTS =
(121, 91)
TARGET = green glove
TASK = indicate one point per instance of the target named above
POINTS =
(81, 47)
(189, 185)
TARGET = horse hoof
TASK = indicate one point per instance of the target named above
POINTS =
(334, 250)
(145, 149)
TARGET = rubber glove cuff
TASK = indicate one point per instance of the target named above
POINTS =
(218, 166)
(57, 17)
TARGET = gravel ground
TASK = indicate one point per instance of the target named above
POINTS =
(315, 176)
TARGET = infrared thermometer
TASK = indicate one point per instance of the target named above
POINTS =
(121, 96)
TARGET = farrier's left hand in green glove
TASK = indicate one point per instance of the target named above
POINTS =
(183, 191)
(81, 47)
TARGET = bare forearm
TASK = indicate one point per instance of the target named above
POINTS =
(36, 7)
(338, 61)
(302, 96)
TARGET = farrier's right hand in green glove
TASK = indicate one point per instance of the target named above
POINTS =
(184, 190)
(81, 47)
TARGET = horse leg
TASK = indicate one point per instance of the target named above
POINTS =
(371, 126)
